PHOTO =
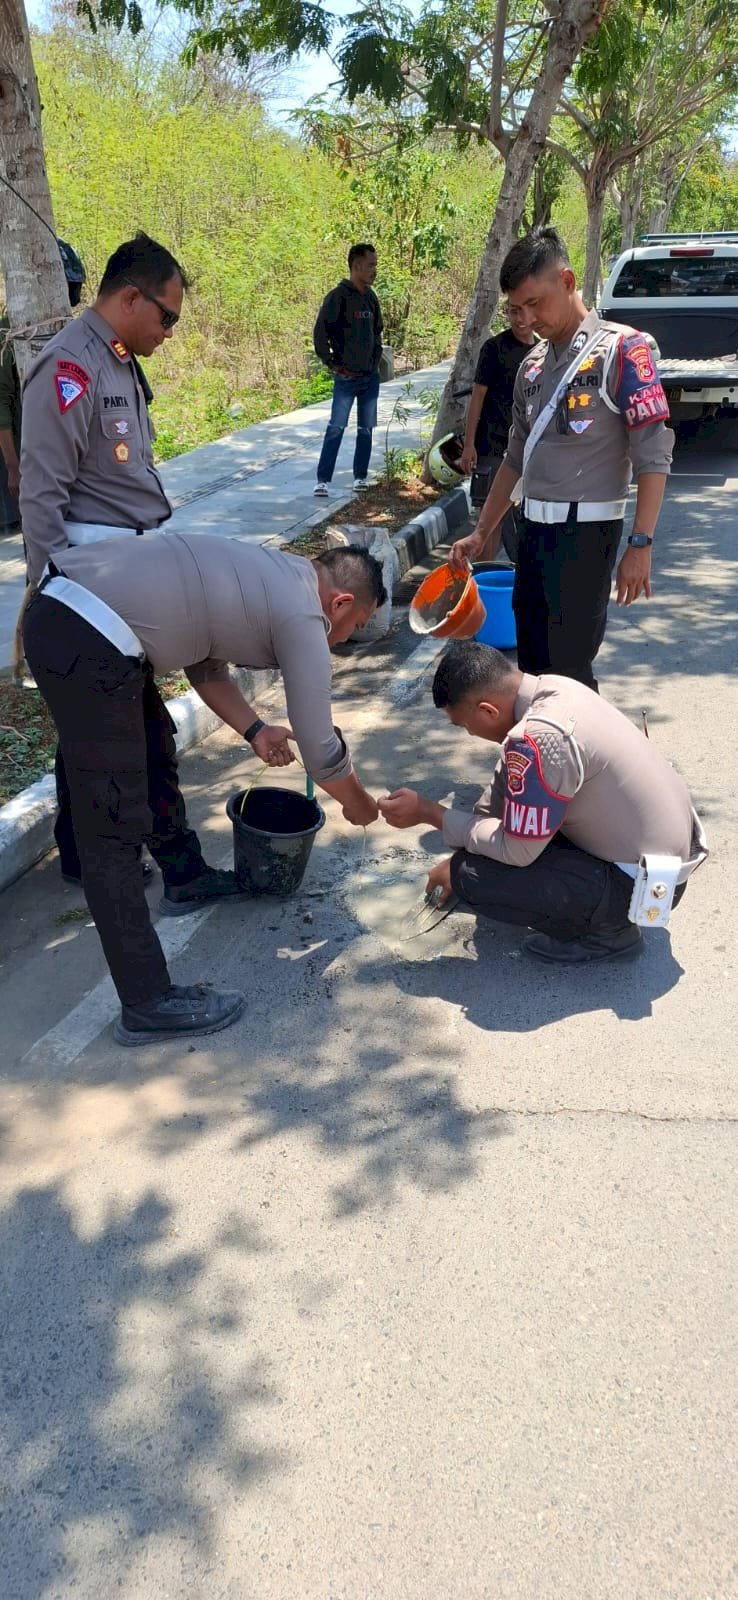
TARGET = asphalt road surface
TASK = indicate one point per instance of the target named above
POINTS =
(419, 1283)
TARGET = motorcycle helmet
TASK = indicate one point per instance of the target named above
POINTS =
(444, 461)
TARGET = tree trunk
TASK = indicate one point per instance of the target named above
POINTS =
(35, 285)
(596, 191)
(674, 168)
(630, 204)
(574, 22)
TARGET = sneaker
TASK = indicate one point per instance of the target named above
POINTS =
(179, 899)
(359, 484)
(321, 489)
(613, 945)
(196, 1010)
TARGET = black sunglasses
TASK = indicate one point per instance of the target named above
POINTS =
(562, 414)
(168, 318)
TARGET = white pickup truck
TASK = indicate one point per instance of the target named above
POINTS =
(682, 289)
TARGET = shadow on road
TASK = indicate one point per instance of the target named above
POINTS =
(85, 1422)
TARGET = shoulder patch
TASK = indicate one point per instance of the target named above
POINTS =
(531, 810)
(120, 349)
(71, 382)
(640, 397)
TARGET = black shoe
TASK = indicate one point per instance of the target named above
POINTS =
(179, 899)
(614, 945)
(180, 1012)
(147, 873)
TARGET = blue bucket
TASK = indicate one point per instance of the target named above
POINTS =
(495, 585)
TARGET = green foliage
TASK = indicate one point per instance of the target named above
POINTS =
(260, 222)
(708, 197)
(402, 464)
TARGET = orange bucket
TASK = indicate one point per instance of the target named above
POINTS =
(446, 606)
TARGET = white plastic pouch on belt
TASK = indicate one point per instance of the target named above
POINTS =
(653, 891)
(94, 532)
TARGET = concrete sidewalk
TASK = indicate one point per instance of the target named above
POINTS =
(255, 484)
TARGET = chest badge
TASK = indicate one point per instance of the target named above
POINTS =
(121, 426)
(121, 452)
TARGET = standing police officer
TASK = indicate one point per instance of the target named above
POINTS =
(608, 423)
(87, 473)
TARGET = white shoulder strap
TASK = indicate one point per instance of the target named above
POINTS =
(544, 417)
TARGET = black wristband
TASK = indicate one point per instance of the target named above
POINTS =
(251, 732)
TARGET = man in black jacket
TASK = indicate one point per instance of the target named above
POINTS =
(348, 338)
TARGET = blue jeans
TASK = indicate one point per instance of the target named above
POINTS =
(364, 391)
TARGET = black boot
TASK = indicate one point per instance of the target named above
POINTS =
(609, 944)
(179, 899)
(181, 1012)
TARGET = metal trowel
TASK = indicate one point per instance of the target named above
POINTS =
(426, 914)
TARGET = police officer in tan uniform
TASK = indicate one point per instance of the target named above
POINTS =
(589, 413)
(114, 609)
(577, 799)
(88, 473)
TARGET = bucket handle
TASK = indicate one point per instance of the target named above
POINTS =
(309, 785)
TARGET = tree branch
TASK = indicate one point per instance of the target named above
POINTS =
(498, 62)
(568, 155)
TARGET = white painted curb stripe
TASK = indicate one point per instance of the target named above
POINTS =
(67, 1039)
(409, 680)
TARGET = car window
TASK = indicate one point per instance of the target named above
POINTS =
(677, 278)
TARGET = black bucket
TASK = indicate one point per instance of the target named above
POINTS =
(272, 838)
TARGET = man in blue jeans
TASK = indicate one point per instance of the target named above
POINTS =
(348, 338)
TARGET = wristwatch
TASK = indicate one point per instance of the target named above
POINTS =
(251, 732)
(640, 541)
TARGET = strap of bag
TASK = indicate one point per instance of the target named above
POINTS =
(544, 417)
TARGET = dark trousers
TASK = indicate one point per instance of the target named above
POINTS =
(174, 846)
(483, 477)
(364, 390)
(562, 588)
(98, 700)
(565, 892)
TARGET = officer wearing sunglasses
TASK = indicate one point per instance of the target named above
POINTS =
(88, 474)
(87, 464)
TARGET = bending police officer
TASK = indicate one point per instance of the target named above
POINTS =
(103, 617)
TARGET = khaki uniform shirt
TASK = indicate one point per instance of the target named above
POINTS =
(611, 424)
(86, 442)
(573, 763)
(200, 602)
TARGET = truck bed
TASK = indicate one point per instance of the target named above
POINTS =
(697, 374)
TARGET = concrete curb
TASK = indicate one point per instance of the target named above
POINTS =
(27, 821)
(433, 527)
